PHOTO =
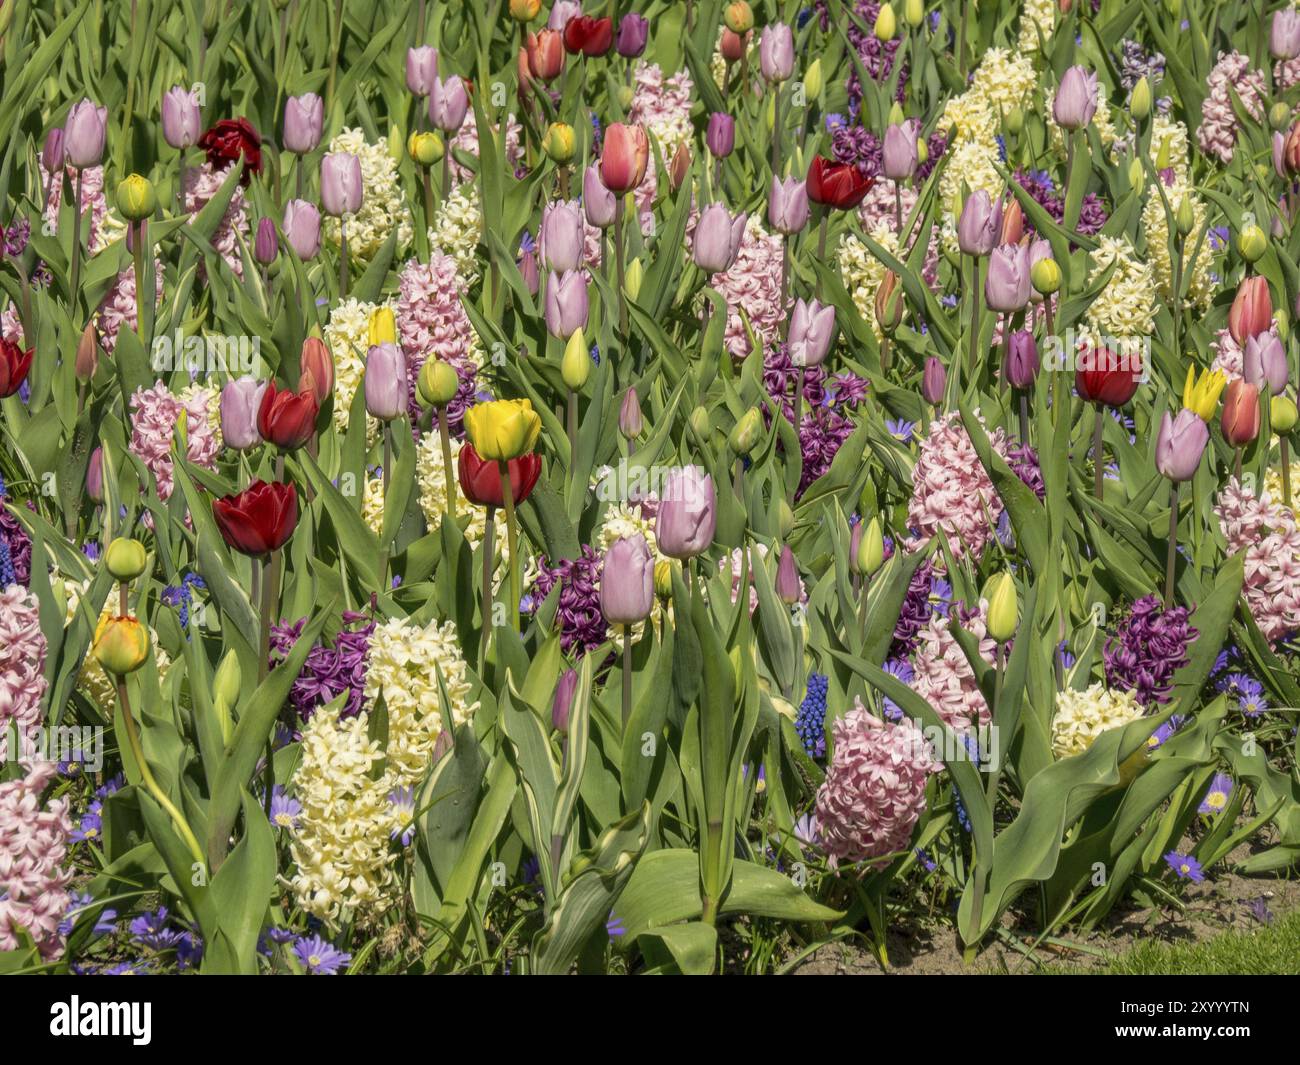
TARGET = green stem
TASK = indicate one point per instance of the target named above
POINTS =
(448, 471)
(489, 545)
(1171, 557)
(627, 675)
(512, 533)
(1286, 472)
(76, 251)
(1098, 462)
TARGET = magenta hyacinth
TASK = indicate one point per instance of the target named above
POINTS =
(1148, 648)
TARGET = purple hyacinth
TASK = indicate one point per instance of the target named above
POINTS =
(877, 56)
(1039, 185)
(1136, 63)
(15, 548)
(329, 671)
(1149, 646)
(915, 612)
(859, 147)
(1023, 461)
(582, 625)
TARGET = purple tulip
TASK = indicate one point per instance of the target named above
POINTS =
(934, 381)
(627, 581)
(812, 328)
(633, 32)
(181, 122)
(1007, 286)
(562, 704)
(340, 183)
(1180, 444)
(980, 224)
(721, 135)
(789, 588)
(1279, 156)
(566, 304)
(561, 12)
(1076, 99)
(52, 155)
(562, 239)
(304, 117)
(1264, 363)
(598, 203)
(900, 152)
(1284, 34)
(266, 244)
(421, 70)
(776, 52)
(84, 133)
(448, 102)
(302, 228)
(241, 399)
(688, 513)
(717, 238)
(1022, 360)
(385, 382)
(95, 475)
(529, 272)
(787, 205)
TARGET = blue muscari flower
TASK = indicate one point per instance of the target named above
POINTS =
(1002, 147)
(948, 301)
(802, 18)
(925, 861)
(595, 354)
(8, 575)
(810, 723)
(963, 818)
(614, 926)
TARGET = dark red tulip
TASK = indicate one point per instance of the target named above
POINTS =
(588, 35)
(14, 364)
(228, 140)
(258, 520)
(480, 479)
(836, 184)
(286, 418)
(1107, 379)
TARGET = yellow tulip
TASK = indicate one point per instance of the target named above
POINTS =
(121, 645)
(1004, 608)
(1202, 396)
(503, 429)
(383, 326)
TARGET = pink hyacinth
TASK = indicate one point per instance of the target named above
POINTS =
(1286, 73)
(432, 321)
(879, 209)
(93, 200)
(951, 489)
(752, 282)
(11, 325)
(33, 848)
(874, 790)
(1217, 133)
(466, 140)
(942, 674)
(1268, 534)
(154, 415)
(201, 184)
(22, 662)
(118, 306)
(1228, 355)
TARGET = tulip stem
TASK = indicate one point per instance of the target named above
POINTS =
(821, 244)
(446, 171)
(1099, 467)
(386, 473)
(785, 285)
(627, 675)
(448, 471)
(428, 204)
(138, 256)
(1286, 472)
(1177, 308)
(1173, 545)
(343, 257)
(489, 546)
(573, 435)
(512, 534)
(76, 249)
(618, 270)
(776, 130)
(798, 398)
(270, 589)
(974, 314)
(1024, 418)
(1236, 466)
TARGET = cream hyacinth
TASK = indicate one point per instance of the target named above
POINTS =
(1037, 18)
(383, 205)
(431, 476)
(1155, 228)
(1126, 306)
(457, 227)
(1082, 716)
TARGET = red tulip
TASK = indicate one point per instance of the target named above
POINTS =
(546, 54)
(623, 161)
(229, 139)
(14, 364)
(480, 479)
(1252, 310)
(1107, 379)
(1241, 417)
(286, 418)
(258, 520)
(588, 35)
(836, 184)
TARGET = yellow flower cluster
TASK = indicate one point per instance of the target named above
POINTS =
(1037, 17)
(210, 398)
(1155, 228)
(1082, 716)
(372, 502)
(383, 206)
(347, 335)
(1126, 306)
(862, 272)
(457, 228)
(1004, 80)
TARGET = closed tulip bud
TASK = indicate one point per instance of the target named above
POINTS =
(424, 147)
(627, 581)
(437, 384)
(227, 683)
(121, 645)
(1279, 115)
(528, 270)
(1264, 363)
(632, 279)
(896, 116)
(914, 12)
(316, 369)
(136, 198)
(1136, 175)
(525, 11)
(241, 399)
(1184, 217)
(87, 353)
(746, 433)
(545, 54)
(717, 238)
(980, 224)
(934, 381)
(566, 304)
(871, 549)
(84, 133)
(1252, 243)
(125, 559)
(899, 153)
(1022, 360)
(598, 203)
(738, 16)
(630, 423)
(421, 70)
(561, 242)
(562, 704)
(1046, 276)
(385, 381)
(1006, 288)
(575, 367)
(700, 424)
(789, 589)
(1282, 414)
(720, 137)
(181, 122)
(787, 205)
(448, 103)
(732, 46)
(889, 304)
(664, 579)
(503, 429)
(1139, 101)
(624, 157)
(1241, 414)
(886, 25)
(1284, 34)
(1004, 608)
(688, 510)
(633, 35)
(679, 167)
(1076, 99)
(95, 474)
(558, 142)
(1180, 444)
(302, 228)
(784, 518)
(812, 329)
(1013, 223)
(776, 52)
(266, 244)
(304, 117)
(1251, 312)
(382, 327)
(813, 80)
(52, 155)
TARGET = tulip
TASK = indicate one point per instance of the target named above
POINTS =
(1076, 100)
(1264, 362)
(789, 588)
(566, 303)
(1022, 360)
(900, 159)
(679, 167)
(871, 549)
(559, 142)
(934, 381)
(889, 305)
(302, 228)
(437, 383)
(1003, 608)
(688, 513)
(1106, 380)
(838, 185)
(1013, 226)
(480, 480)
(385, 382)
(633, 33)
(738, 16)
(562, 239)
(529, 272)
(424, 147)
(125, 559)
(1202, 395)
(632, 283)
(303, 119)
(524, 10)
(980, 224)
(812, 328)
(886, 24)
(717, 238)
(448, 103)
(588, 35)
(575, 366)
(1279, 156)
(95, 475)
(136, 199)
(286, 418)
(1180, 444)
(84, 133)
(381, 327)
(121, 645)
(630, 423)
(340, 184)
(721, 135)
(503, 429)
(787, 205)
(241, 399)
(562, 11)
(87, 358)
(1252, 242)
(1282, 414)
(1139, 101)
(266, 244)
(52, 155)
(562, 704)
(732, 46)
(316, 369)
(14, 366)
(1045, 275)
(598, 203)
(1006, 288)
(1291, 150)
(812, 80)
(258, 520)
(1241, 413)
(776, 52)
(746, 433)
(1284, 34)
(181, 122)
(623, 160)
(421, 70)
(627, 581)
(545, 55)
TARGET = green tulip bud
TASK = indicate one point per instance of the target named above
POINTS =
(559, 142)
(575, 367)
(1282, 414)
(425, 147)
(1045, 276)
(1136, 174)
(1004, 610)
(813, 80)
(121, 645)
(664, 579)
(914, 12)
(784, 518)
(886, 25)
(125, 559)
(1279, 116)
(1252, 243)
(136, 198)
(1184, 216)
(1139, 101)
(700, 425)
(746, 433)
(437, 383)
(871, 549)
(632, 279)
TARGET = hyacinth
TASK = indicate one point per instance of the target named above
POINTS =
(752, 283)
(15, 548)
(118, 306)
(1081, 716)
(466, 140)
(857, 146)
(877, 212)
(582, 625)
(1037, 20)
(1169, 146)
(663, 105)
(1005, 79)
(1229, 357)
(916, 611)
(951, 489)
(431, 477)
(636, 517)
(103, 229)
(431, 321)
(1231, 75)
(155, 413)
(1286, 73)
(22, 662)
(1136, 63)
(877, 57)
(33, 849)
(1126, 306)
(1039, 185)
(383, 205)
(942, 674)
(1148, 647)
(201, 184)
(372, 501)
(342, 845)
(457, 226)
(1023, 461)
(329, 670)
(1273, 482)
(1268, 534)
(347, 335)
(874, 791)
